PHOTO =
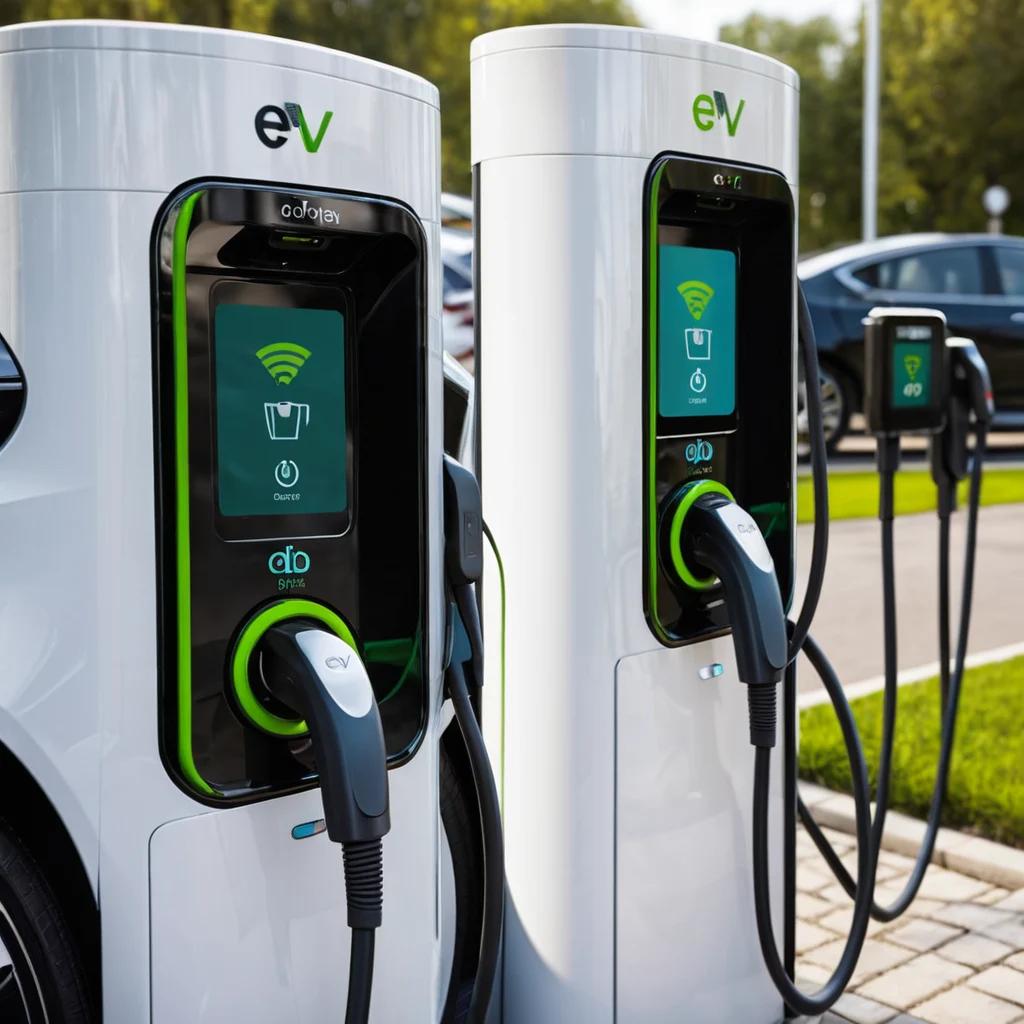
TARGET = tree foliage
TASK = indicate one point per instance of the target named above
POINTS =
(952, 115)
(428, 37)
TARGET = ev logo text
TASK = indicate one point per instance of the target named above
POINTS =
(699, 451)
(705, 111)
(281, 121)
(288, 562)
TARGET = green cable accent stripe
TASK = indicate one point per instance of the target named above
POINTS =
(413, 655)
(652, 402)
(691, 492)
(501, 580)
(251, 635)
(179, 309)
(390, 652)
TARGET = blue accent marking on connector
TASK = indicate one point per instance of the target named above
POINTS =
(309, 828)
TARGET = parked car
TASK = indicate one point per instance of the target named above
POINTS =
(459, 425)
(456, 211)
(976, 280)
(457, 294)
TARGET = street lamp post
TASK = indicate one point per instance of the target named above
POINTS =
(872, 90)
(995, 199)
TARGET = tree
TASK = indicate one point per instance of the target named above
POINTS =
(952, 115)
(830, 130)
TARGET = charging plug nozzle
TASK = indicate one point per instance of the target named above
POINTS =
(719, 535)
(323, 678)
(970, 395)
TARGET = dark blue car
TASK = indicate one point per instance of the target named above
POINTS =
(976, 280)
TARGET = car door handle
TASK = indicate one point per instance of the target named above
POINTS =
(1017, 318)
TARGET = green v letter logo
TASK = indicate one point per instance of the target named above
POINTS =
(298, 118)
(722, 109)
(312, 143)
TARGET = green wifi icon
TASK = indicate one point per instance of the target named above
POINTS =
(696, 295)
(283, 360)
(912, 365)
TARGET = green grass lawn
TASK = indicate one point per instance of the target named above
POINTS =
(986, 783)
(855, 495)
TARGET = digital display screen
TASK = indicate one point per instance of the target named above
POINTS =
(912, 373)
(696, 331)
(280, 408)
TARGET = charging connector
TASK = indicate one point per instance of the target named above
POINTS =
(323, 678)
(463, 520)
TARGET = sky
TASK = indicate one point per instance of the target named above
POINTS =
(701, 19)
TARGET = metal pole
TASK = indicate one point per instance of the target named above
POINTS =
(872, 78)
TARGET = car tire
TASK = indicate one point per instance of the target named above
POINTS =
(837, 401)
(837, 405)
(44, 979)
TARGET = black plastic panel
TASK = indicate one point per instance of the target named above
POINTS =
(748, 211)
(366, 258)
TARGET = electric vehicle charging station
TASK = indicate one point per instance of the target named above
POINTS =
(637, 316)
(599, 153)
(220, 248)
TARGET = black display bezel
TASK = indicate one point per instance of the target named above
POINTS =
(232, 291)
(700, 235)
(883, 417)
(758, 468)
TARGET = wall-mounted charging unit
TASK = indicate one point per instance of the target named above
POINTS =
(290, 398)
(718, 364)
(906, 376)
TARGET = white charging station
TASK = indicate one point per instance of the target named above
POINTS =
(211, 910)
(625, 763)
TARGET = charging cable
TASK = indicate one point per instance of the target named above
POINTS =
(971, 394)
(323, 678)
(464, 564)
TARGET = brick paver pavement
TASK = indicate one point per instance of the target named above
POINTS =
(956, 957)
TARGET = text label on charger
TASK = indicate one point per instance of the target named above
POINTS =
(288, 562)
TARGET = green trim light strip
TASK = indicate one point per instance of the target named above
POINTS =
(179, 309)
(691, 492)
(251, 635)
(652, 398)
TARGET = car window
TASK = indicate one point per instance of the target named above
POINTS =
(1011, 270)
(455, 281)
(952, 271)
(12, 393)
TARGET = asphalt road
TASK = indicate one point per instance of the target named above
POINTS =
(848, 623)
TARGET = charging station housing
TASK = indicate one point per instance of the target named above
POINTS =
(210, 909)
(616, 717)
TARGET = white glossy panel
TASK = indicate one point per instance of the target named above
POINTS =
(250, 924)
(576, 97)
(138, 119)
(687, 947)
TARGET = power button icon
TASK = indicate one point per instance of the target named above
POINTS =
(698, 381)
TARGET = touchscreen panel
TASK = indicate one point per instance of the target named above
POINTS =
(696, 331)
(280, 410)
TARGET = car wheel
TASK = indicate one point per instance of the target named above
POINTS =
(836, 406)
(41, 976)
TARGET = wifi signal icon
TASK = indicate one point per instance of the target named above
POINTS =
(696, 295)
(283, 360)
(912, 365)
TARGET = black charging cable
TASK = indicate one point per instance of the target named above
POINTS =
(464, 565)
(819, 475)
(319, 675)
(720, 536)
(903, 901)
